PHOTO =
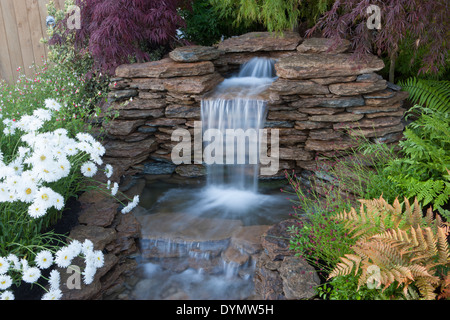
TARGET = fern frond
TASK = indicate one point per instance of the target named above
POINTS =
(442, 247)
(432, 94)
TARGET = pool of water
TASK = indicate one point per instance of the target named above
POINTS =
(205, 214)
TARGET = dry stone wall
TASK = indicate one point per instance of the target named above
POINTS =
(322, 99)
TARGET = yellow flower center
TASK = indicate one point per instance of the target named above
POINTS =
(43, 158)
(28, 191)
(44, 197)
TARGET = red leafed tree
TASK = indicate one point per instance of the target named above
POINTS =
(115, 31)
(426, 22)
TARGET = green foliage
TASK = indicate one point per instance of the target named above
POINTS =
(346, 288)
(206, 26)
(422, 170)
(275, 15)
(316, 237)
(79, 64)
(428, 93)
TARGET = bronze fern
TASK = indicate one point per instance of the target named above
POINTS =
(400, 244)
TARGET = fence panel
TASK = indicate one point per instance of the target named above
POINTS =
(22, 26)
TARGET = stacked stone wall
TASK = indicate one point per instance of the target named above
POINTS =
(322, 99)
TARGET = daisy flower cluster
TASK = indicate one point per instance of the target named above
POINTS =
(46, 259)
(30, 173)
(44, 158)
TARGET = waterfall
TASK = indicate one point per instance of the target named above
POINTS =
(236, 107)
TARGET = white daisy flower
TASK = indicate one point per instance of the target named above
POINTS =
(54, 280)
(70, 149)
(14, 260)
(52, 104)
(109, 170)
(88, 169)
(89, 273)
(84, 147)
(43, 114)
(99, 259)
(37, 209)
(5, 282)
(75, 248)
(63, 167)
(85, 137)
(63, 257)
(95, 259)
(17, 166)
(44, 259)
(58, 202)
(55, 294)
(31, 275)
(7, 295)
(4, 265)
(87, 247)
(27, 190)
(24, 264)
(47, 196)
(4, 192)
(98, 148)
(114, 189)
(97, 159)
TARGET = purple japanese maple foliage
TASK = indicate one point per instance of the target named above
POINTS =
(115, 31)
(424, 21)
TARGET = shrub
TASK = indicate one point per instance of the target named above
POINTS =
(204, 25)
(117, 32)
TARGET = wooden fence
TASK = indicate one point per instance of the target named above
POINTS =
(22, 26)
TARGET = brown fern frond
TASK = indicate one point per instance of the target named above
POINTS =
(416, 214)
(426, 289)
(442, 247)
(431, 242)
(445, 288)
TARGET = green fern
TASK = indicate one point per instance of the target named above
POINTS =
(422, 171)
(430, 93)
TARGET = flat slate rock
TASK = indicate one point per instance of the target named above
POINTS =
(195, 54)
(311, 66)
(261, 41)
(324, 45)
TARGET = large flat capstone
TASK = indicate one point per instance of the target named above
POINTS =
(311, 66)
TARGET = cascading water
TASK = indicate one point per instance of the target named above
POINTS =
(190, 235)
(236, 106)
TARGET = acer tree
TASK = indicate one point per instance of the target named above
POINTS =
(420, 27)
(120, 31)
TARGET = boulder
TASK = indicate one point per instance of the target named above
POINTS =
(299, 278)
(195, 54)
(312, 66)
(261, 41)
(324, 45)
